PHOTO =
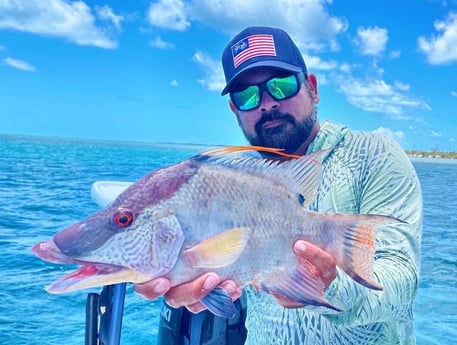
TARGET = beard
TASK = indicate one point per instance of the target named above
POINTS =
(288, 136)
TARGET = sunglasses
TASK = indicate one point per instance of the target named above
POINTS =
(280, 88)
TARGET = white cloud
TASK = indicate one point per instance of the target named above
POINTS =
(376, 68)
(174, 82)
(454, 93)
(436, 134)
(316, 63)
(19, 64)
(56, 18)
(387, 132)
(394, 54)
(317, 32)
(371, 41)
(376, 95)
(442, 47)
(106, 13)
(161, 44)
(169, 14)
(214, 75)
(401, 86)
(345, 68)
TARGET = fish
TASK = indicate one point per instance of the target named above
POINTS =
(222, 211)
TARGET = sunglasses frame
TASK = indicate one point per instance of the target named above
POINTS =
(262, 87)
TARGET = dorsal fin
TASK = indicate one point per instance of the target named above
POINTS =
(301, 174)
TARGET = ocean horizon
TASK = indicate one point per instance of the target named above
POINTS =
(45, 186)
(178, 145)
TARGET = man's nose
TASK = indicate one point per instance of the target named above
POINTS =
(268, 103)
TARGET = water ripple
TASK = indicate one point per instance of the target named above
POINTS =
(44, 186)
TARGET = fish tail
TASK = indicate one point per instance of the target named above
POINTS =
(354, 248)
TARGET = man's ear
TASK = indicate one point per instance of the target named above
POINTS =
(312, 81)
(234, 111)
(232, 107)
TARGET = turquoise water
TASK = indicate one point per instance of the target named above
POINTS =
(44, 186)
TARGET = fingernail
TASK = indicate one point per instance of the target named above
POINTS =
(229, 288)
(210, 283)
(300, 247)
(160, 288)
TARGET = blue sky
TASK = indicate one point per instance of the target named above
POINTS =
(150, 70)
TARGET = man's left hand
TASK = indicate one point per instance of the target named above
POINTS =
(323, 262)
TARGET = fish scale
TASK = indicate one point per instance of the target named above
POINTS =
(231, 194)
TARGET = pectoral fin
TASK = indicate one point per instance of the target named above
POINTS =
(219, 250)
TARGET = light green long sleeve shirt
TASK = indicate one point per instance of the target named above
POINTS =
(368, 174)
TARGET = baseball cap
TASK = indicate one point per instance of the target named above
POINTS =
(260, 46)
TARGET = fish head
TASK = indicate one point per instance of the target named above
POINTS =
(147, 240)
(136, 238)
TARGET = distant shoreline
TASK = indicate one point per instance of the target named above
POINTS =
(108, 141)
(431, 154)
(413, 154)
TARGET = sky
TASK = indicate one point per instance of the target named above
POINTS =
(150, 70)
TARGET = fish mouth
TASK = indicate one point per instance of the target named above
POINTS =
(90, 274)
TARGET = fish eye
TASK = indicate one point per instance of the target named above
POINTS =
(123, 217)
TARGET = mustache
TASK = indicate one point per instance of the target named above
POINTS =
(273, 115)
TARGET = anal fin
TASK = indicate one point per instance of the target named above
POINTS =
(301, 286)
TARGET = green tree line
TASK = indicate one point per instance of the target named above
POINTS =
(432, 154)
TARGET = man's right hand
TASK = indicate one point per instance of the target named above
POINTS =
(188, 294)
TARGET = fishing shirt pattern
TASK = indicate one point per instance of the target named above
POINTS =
(364, 173)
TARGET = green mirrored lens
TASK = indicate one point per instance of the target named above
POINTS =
(247, 99)
(281, 88)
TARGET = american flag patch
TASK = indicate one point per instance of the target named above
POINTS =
(253, 46)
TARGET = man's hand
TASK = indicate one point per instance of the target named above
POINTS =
(189, 294)
(323, 262)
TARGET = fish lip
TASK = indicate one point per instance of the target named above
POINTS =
(48, 251)
(89, 274)
(76, 279)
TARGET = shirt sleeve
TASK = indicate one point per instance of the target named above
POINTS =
(387, 185)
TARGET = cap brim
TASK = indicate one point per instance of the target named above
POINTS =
(264, 63)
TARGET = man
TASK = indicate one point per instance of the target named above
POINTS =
(274, 99)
